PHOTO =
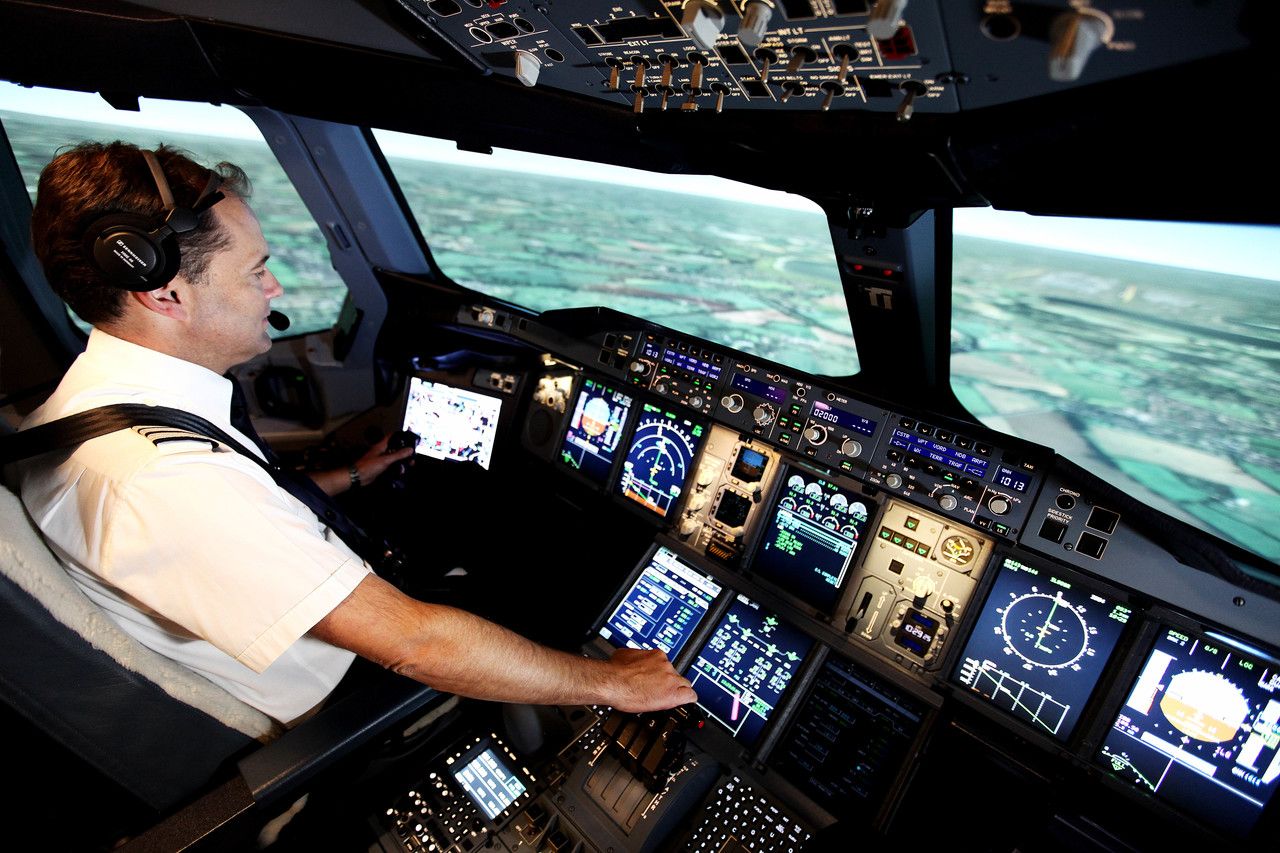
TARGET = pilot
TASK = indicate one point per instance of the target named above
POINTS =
(197, 551)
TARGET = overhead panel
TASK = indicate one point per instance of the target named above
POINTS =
(717, 55)
(887, 56)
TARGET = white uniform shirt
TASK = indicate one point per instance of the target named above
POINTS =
(196, 552)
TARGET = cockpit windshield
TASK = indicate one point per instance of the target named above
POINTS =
(739, 265)
(1146, 352)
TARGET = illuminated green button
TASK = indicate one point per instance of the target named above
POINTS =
(922, 550)
(912, 523)
(898, 539)
(885, 533)
(910, 544)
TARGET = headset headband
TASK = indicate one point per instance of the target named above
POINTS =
(140, 253)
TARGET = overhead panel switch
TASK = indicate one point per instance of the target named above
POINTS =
(1074, 36)
(527, 67)
(886, 17)
(703, 22)
(756, 17)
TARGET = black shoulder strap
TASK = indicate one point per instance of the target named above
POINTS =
(79, 428)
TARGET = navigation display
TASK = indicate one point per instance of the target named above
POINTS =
(659, 459)
(1039, 646)
(743, 671)
(849, 739)
(452, 424)
(595, 430)
(490, 783)
(813, 531)
(1201, 729)
(663, 607)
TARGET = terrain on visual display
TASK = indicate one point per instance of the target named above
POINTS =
(759, 279)
(1162, 381)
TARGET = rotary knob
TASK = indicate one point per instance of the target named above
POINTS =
(756, 16)
(763, 414)
(893, 481)
(696, 401)
(703, 21)
(851, 448)
(921, 588)
(732, 402)
(948, 501)
(639, 367)
(815, 434)
(998, 505)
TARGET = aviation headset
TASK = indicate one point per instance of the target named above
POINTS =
(140, 253)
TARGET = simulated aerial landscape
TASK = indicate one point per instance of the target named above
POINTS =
(1163, 381)
(758, 279)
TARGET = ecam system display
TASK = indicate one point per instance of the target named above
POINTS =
(1200, 728)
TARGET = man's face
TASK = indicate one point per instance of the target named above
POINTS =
(228, 308)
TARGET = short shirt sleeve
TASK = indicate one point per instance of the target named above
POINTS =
(207, 540)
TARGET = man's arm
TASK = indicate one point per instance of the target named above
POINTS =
(458, 652)
(369, 467)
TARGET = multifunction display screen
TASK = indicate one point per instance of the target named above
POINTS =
(490, 783)
(663, 607)
(452, 424)
(1040, 644)
(743, 671)
(659, 459)
(849, 739)
(595, 430)
(959, 460)
(854, 423)
(1201, 729)
(813, 531)
(761, 389)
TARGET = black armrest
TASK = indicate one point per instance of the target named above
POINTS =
(282, 768)
(292, 760)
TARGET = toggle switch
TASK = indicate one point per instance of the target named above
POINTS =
(615, 72)
(669, 63)
(833, 90)
(911, 89)
(767, 58)
(801, 54)
(790, 88)
(844, 54)
(720, 91)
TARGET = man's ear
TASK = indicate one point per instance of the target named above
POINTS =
(167, 301)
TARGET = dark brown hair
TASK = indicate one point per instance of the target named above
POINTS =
(95, 179)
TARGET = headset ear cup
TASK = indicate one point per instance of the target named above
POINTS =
(124, 249)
